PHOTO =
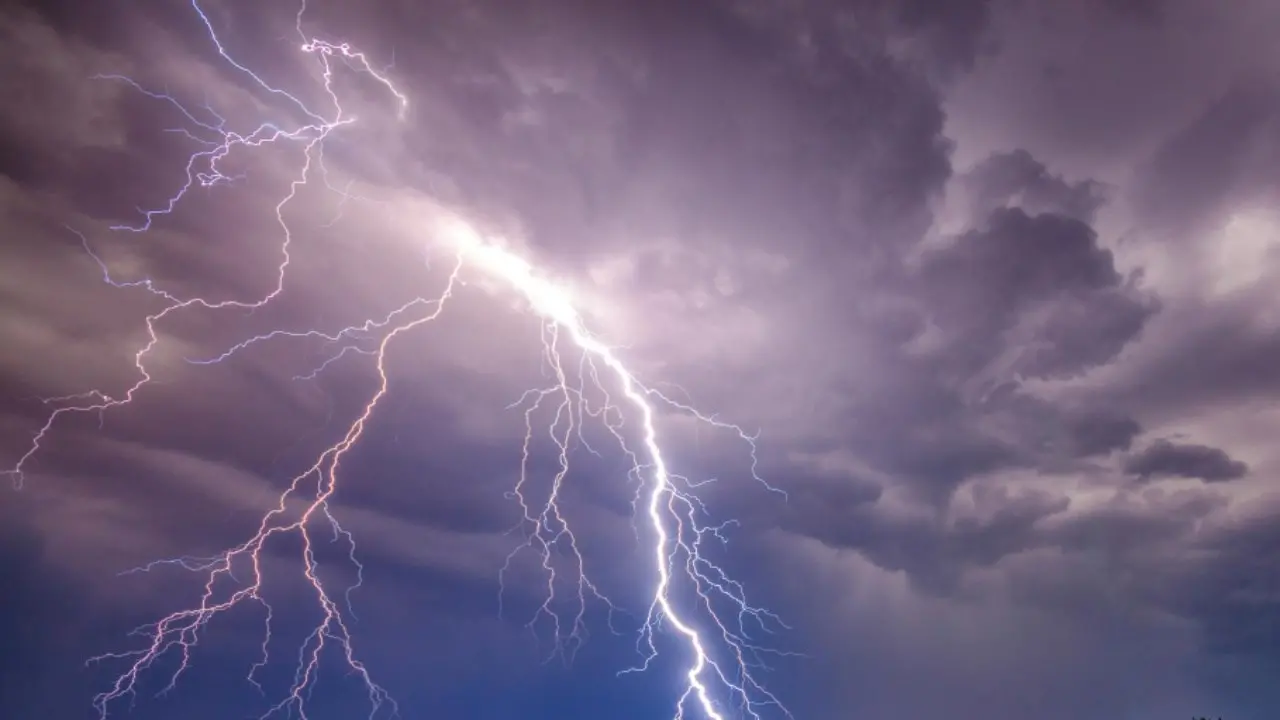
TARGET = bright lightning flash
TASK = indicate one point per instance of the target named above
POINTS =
(691, 596)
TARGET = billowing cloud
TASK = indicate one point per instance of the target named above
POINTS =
(1165, 458)
(1030, 292)
(973, 287)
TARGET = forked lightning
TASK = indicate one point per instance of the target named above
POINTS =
(691, 596)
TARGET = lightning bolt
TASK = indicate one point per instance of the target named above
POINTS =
(692, 597)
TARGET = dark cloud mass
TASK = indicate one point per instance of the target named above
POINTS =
(1034, 291)
(994, 280)
(1191, 461)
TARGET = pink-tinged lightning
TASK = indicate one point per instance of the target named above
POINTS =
(692, 596)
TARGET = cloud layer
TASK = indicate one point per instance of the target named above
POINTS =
(1002, 312)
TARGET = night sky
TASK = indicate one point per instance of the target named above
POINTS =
(994, 281)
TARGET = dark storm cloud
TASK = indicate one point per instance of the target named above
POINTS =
(1009, 431)
(1221, 357)
(1208, 191)
(1169, 459)
(935, 554)
(938, 553)
(1018, 178)
(1101, 432)
(752, 181)
(1041, 278)
(1234, 589)
(1221, 352)
(1129, 525)
(1165, 555)
(1019, 296)
(1102, 113)
(1028, 284)
(1051, 437)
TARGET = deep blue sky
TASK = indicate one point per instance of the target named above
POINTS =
(994, 281)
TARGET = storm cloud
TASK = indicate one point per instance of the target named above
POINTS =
(1001, 311)
(1184, 460)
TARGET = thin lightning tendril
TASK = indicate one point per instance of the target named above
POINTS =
(723, 654)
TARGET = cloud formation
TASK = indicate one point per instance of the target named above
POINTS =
(1164, 458)
(1003, 313)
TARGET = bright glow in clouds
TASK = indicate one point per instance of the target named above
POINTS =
(1245, 250)
(692, 598)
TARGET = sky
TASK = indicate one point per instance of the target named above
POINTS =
(990, 282)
